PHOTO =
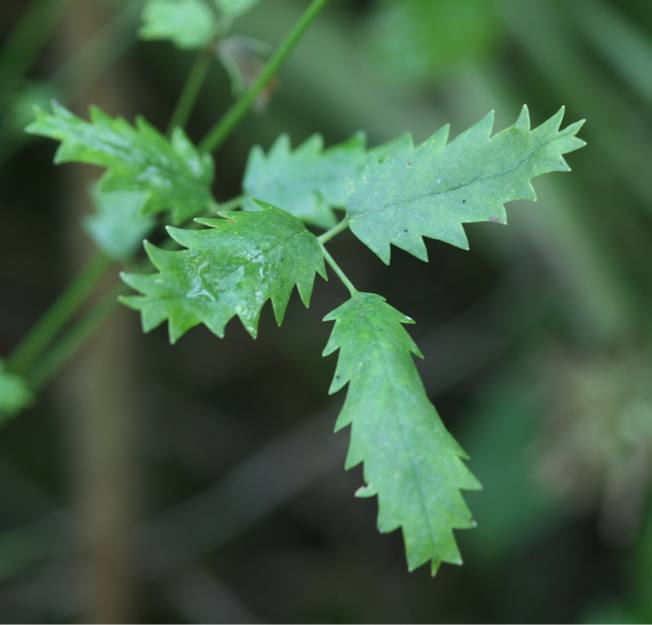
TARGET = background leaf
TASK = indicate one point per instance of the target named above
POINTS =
(308, 181)
(176, 177)
(119, 225)
(189, 24)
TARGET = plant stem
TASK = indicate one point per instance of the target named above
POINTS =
(191, 89)
(74, 340)
(66, 305)
(338, 271)
(234, 115)
(334, 231)
(77, 292)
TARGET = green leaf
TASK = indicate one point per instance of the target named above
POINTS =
(189, 24)
(119, 225)
(382, 151)
(432, 189)
(14, 394)
(307, 181)
(176, 177)
(235, 8)
(232, 268)
(411, 463)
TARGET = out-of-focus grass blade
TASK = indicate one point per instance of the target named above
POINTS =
(616, 129)
(618, 40)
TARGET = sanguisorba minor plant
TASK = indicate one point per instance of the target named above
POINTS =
(228, 262)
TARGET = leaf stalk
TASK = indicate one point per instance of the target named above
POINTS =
(338, 270)
(334, 231)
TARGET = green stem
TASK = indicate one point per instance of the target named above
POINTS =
(338, 271)
(234, 115)
(191, 89)
(71, 342)
(75, 295)
(67, 304)
(334, 231)
(71, 300)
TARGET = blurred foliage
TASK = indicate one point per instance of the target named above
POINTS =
(118, 227)
(419, 41)
(598, 438)
(14, 394)
(19, 105)
(189, 24)
(538, 341)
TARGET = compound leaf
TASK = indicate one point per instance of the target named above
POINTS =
(189, 24)
(176, 177)
(230, 268)
(119, 225)
(14, 394)
(307, 181)
(431, 190)
(411, 463)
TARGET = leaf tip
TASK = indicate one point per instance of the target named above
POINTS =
(523, 122)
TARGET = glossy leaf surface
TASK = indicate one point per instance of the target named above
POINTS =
(231, 268)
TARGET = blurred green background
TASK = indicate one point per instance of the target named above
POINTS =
(202, 482)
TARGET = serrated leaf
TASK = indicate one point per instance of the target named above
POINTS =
(231, 268)
(119, 225)
(176, 177)
(308, 181)
(14, 394)
(432, 189)
(410, 462)
(189, 24)
(235, 8)
(380, 152)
